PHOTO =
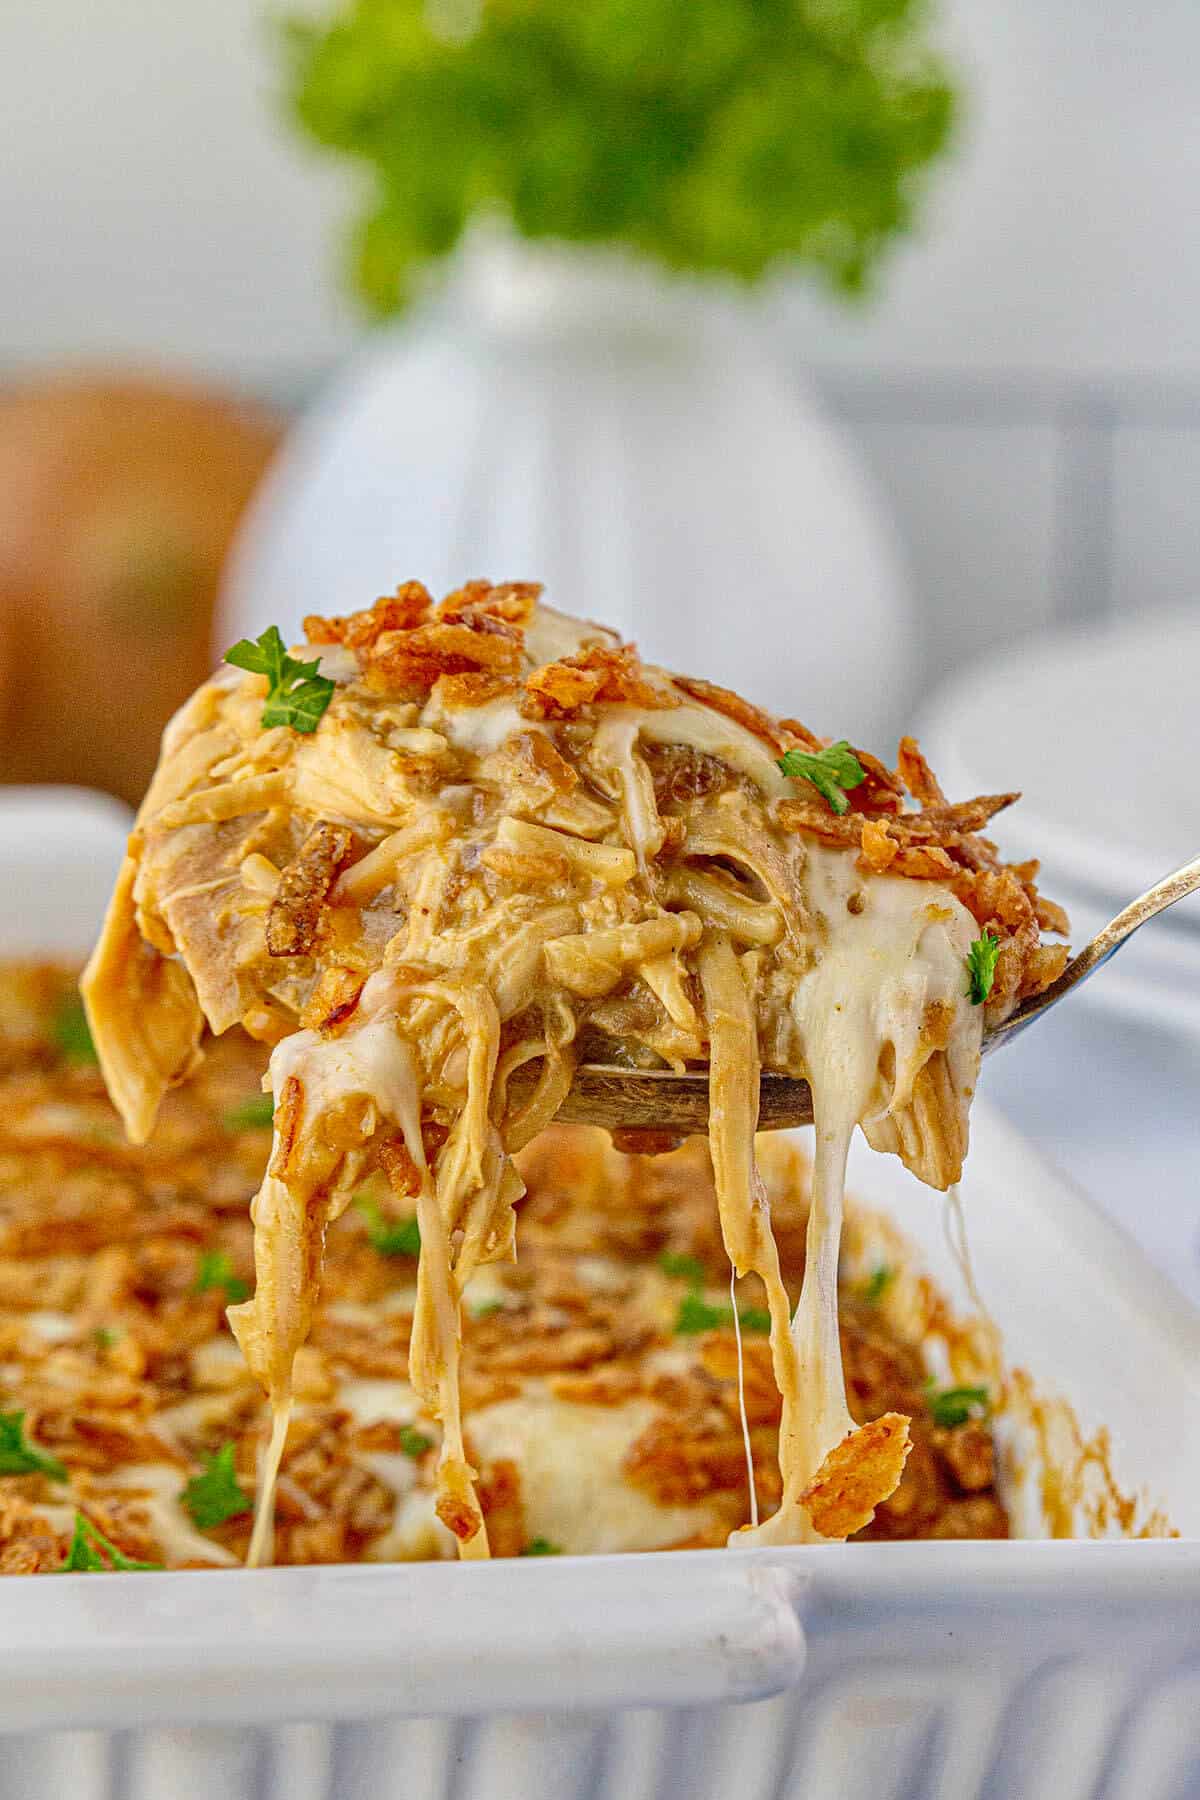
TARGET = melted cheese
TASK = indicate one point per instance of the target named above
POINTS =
(416, 1533)
(372, 1401)
(614, 746)
(54, 1327)
(372, 1061)
(551, 635)
(876, 974)
(479, 729)
(337, 663)
(158, 1493)
(573, 1487)
(700, 728)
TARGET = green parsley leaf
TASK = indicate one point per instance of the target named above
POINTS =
(72, 1037)
(84, 1555)
(216, 1271)
(486, 1308)
(830, 771)
(296, 694)
(19, 1457)
(391, 1237)
(216, 1495)
(877, 1284)
(949, 1407)
(91, 1553)
(683, 1268)
(696, 1315)
(104, 1337)
(694, 159)
(981, 967)
(541, 1546)
(256, 1113)
(413, 1442)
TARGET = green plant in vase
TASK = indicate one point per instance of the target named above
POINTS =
(723, 137)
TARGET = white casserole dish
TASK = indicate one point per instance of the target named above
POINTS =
(956, 1670)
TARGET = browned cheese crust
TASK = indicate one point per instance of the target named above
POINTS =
(127, 1373)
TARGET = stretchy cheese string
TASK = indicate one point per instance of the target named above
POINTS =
(954, 1226)
(751, 1484)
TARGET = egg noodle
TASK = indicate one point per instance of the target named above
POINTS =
(495, 845)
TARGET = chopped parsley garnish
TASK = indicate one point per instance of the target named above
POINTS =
(216, 1271)
(19, 1457)
(253, 1114)
(696, 1315)
(216, 1495)
(485, 1308)
(683, 1268)
(413, 1442)
(981, 967)
(877, 1284)
(91, 1553)
(391, 1237)
(830, 771)
(541, 1546)
(104, 1337)
(296, 694)
(949, 1407)
(72, 1037)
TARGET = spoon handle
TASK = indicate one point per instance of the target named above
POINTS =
(1173, 887)
(660, 1100)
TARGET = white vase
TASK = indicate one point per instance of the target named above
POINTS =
(631, 442)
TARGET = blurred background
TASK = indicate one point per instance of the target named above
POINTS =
(1025, 387)
(914, 434)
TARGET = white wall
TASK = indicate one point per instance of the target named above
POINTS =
(1067, 239)
(151, 201)
(1027, 392)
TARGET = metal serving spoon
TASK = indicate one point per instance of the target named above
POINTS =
(658, 1100)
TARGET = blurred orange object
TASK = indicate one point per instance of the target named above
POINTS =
(119, 497)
